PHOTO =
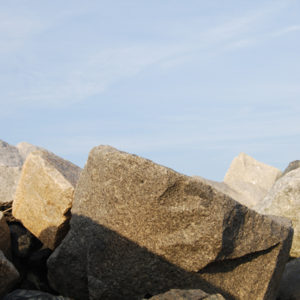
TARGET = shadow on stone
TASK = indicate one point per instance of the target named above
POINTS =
(94, 262)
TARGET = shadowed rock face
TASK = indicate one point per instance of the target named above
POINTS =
(5, 243)
(44, 196)
(289, 284)
(139, 228)
(284, 200)
(250, 178)
(8, 275)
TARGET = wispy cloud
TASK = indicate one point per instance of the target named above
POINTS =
(286, 30)
(93, 71)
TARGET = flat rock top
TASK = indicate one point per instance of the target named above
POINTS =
(9, 155)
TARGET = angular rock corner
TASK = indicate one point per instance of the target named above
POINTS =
(250, 179)
(44, 196)
(283, 200)
(139, 229)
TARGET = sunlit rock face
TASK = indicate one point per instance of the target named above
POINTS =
(284, 200)
(45, 195)
(139, 228)
(250, 178)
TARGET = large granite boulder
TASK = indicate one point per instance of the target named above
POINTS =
(250, 178)
(44, 196)
(292, 166)
(10, 170)
(139, 229)
(176, 294)
(284, 200)
(290, 282)
(5, 243)
(8, 275)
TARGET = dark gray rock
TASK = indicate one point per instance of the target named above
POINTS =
(8, 275)
(290, 282)
(32, 295)
(22, 241)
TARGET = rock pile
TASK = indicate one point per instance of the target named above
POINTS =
(138, 230)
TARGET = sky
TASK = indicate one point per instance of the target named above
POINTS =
(187, 84)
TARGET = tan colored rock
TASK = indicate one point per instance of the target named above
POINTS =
(5, 243)
(250, 178)
(8, 275)
(44, 196)
(139, 228)
(284, 200)
(176, 294)
(25, 149)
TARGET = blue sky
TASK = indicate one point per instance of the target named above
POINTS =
(189, 85)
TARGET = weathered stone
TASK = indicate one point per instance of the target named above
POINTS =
(176, 294)
(250, 178)
(44, 196)
(8, 275)
(32, 295)
(25, 149)
(139, 228)
(292, 166)
(284, 200)
(9, 155)
(289, 285)
(5, 245)
(9, 178)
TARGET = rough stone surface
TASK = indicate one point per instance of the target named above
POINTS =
(139, 228)
(292, 166)
(250, 178)
(289, 285)
(9, 155)
(9, 178)
(176, 294)
(25, 149)
(32, 295)
(8, 275)
(5, 244)
(44, 196)
(284, 200)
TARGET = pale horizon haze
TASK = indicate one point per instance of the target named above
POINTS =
(187, 84)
